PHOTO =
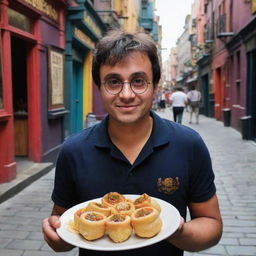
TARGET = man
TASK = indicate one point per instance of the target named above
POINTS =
(194, 98)
(178, 100)
(134, 151)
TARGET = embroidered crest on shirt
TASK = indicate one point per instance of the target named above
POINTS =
(168, 185)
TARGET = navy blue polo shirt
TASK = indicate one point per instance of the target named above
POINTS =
(174, 165)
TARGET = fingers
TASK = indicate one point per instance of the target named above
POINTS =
(182, 221)
(55, 221)
(49, 226)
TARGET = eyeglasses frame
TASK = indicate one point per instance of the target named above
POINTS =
(126, 82)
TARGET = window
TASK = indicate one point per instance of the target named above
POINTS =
(19, 21)
(238, 81)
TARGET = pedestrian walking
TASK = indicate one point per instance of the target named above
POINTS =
(134, 151)
(194, 99)
(162, 102)
(178, 100)
(167, 98)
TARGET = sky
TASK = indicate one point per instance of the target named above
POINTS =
(172, 18)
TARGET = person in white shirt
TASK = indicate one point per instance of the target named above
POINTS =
(194, 98)
(178, 100)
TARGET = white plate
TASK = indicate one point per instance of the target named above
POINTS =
(169, 215)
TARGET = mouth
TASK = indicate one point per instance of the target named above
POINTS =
(127, 107)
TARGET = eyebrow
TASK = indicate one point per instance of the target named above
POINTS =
(110, 75)
(140, 73)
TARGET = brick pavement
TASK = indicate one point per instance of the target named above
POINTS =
(234, 162)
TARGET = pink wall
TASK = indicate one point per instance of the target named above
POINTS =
(241, 14)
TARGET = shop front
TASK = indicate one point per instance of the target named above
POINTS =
(83, 29)
(31, 96)
(205, 85)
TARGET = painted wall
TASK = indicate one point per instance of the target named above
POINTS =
(51, 129)
(242, 15)
(87, 87)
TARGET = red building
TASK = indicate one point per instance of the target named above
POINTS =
(242, 66)
(31, 86)
(221, 19)
(230, 52)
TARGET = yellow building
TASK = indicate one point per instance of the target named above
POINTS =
(128, 14)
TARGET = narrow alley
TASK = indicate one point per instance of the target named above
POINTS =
(234, 162)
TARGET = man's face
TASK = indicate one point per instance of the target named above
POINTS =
(128, 107)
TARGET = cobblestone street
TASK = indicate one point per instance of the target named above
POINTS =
(234, 163)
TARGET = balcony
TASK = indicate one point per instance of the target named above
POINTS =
(110, 18)
(146, 18)
(221, 30)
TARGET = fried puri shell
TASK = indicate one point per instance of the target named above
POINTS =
(146, 222)
(112, 198)
(156, 205)
(142, 201)
(145, 200)
(98, 207)
(77, 215)
(118, 227)
(125, 208)
(92, 225)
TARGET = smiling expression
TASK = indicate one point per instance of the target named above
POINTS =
(127, 107)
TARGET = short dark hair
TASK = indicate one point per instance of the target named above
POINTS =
(117, 45)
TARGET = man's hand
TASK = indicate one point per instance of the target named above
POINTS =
(49, 227)
(203, 230)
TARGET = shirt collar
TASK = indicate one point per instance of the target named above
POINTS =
(160, 133)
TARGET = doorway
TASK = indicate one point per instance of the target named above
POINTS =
(19, 92)
(77, 113)
(205, 94)
(219, 77)
(251, 90)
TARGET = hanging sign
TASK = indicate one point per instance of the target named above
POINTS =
(84, 38)
(91, 24)
(56, 79)
(253, 6)
(44, 7)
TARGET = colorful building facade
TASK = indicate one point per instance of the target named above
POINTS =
(242, 66)
(84, 28)
(226, 61)
(32, 86)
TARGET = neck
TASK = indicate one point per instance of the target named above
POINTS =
(129, 134)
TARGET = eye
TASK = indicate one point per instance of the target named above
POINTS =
(113, 83)
(138, 82)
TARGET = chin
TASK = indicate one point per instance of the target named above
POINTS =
(128, 119)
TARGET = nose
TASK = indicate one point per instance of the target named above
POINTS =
(126, 90)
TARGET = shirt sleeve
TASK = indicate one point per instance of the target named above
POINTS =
(64, 192)
(202, 185)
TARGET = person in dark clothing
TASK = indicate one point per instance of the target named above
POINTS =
(134, 151)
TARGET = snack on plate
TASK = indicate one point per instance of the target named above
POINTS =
(98, 207)
(112, 198)
(145, 200)
(118, 216)
(125, 208)
(119, 227)
(146, 222)
(77, 216)
(92, 225)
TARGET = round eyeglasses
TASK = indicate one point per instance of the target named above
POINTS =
(114, 86)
